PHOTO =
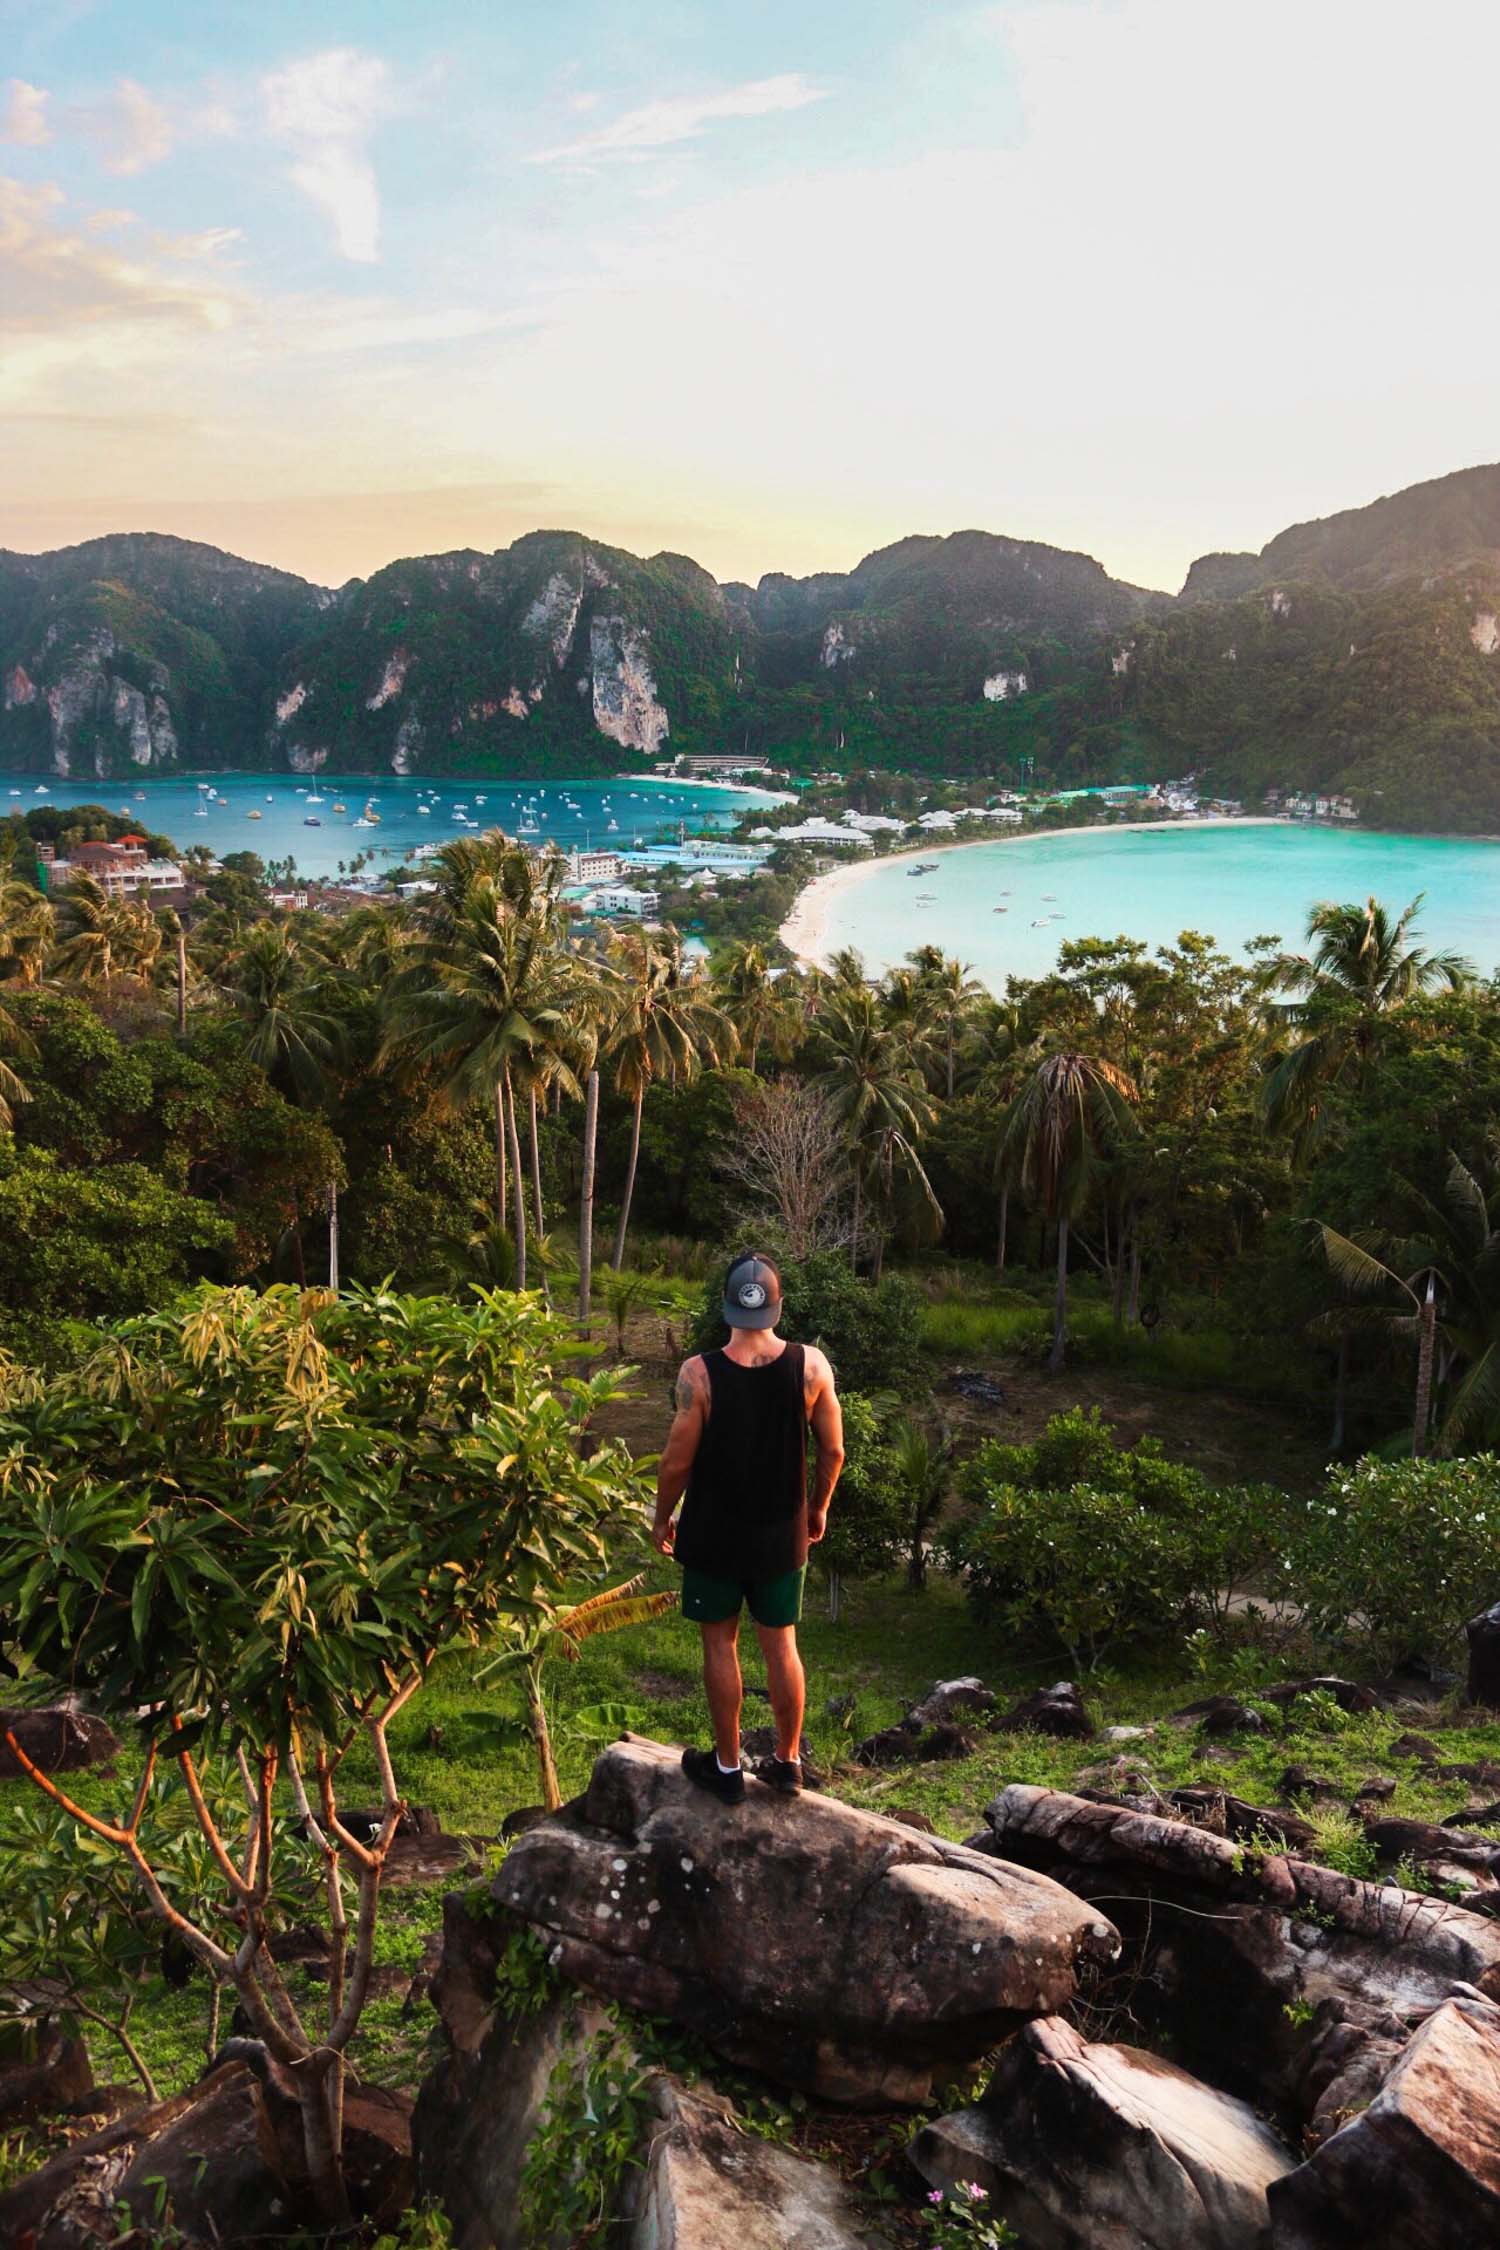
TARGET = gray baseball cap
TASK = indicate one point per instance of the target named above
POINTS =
(752, 1292)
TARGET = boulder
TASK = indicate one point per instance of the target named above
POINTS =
(1235, 1951)
(1479, 1773)
(42, 2068)
(1228, 1815)
(947, 1700)
(1083, 2147)
(708, 2186)
(480, 2104)
(1483, 1634)
(1378, 1790)
(1418, 1746)
(60, 1738)
(1059, 1709)
(1222, 1714)
(1347, 1694)
(1419, 2168)
(840, 1953)
(1298, 1785)
(908, 1745)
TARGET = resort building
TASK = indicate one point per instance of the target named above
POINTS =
(816, 831)
(594, 867)
(621, 898)
(122, 870)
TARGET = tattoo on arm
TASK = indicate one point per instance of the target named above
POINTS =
(687, 1389)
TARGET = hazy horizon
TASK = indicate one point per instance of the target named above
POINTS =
(766, 286)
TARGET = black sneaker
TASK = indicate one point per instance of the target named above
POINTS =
(703, 1769)
(783, 1775)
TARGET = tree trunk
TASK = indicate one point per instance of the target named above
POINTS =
(536, 1711)
(513, 1140)
(586, 1198)
(1427, 1337)
(1060, 1310)
(182, 984)
(950, 1061)
(325, 2171)
(1117, 1277)
(1133, 1313)
(536, 1168)
(835, 1595)
(635, 1150)
(298, 1266)
(500, 1154)
(854, 1236)
(1340, 1393)
(1004, 1228)
(333, 1236)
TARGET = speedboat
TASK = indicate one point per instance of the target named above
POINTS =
(363, 823)
(41, 790)
(423, 809)
(312, 821)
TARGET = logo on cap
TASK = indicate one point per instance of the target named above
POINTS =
(751, 1295)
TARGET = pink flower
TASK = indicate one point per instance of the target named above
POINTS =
(974, 2191)
(936, 2196)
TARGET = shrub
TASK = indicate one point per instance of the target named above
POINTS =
(871, 1330)
(1085, 1542)
(1398, 1553)
(867, 1524)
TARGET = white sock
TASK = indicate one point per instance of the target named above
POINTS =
(718, 1761)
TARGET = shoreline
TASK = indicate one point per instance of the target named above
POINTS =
(804, 933)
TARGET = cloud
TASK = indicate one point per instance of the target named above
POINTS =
(324, 109)
(203, 245)
(131, 128)
(684, 117)
(23, 119)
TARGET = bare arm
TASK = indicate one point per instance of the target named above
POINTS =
(827, 1420)
(678, 1454)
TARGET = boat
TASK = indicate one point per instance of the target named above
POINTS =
(999, 909)
(423, 809)
(41, 790)
(336, 805)
(255, 813)
(270, 800)
(363, 823)
(314, 798)
(200, 811)
(15, 792)
(1049, 894)
(312, 821)
(614, 824)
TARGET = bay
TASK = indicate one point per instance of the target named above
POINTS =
(627, 809)
(1231, 881)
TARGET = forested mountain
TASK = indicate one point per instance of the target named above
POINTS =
(1360, 653)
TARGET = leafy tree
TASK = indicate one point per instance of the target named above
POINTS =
(256, 1522)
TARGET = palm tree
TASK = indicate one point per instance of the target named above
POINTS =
(751, 997)
(1446, 1265)
(878, 1096)
(1361, 969)
(103, 935)
(953, 997)
(483, 995)
(281, 988)
(1072, 1110)
(171, 925)
(27, 928)
(665, 1026)
(923, 1470)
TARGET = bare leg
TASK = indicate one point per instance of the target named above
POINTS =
(787, 1683)
(722, 1686)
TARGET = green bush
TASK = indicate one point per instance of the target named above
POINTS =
(868, 1522)
(1397, 1553)
(871, 1330)
(1076, 1540)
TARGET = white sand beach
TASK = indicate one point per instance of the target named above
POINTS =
(805, 930)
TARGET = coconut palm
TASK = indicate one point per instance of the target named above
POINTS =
(866, 1071)
(101, 936)
(1442, 1257)
(282, 992)
(1362, 967)
(751, 997)
(953, 998)
(664, 1026)
(483, 995)
(175, 934)
(1072, 1111)
(28, 926)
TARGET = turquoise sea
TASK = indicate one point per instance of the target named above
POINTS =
(217, 811)
(1231, 882)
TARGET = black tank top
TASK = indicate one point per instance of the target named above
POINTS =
(745, 1515)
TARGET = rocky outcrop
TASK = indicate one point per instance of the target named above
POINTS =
(623, 686)
(1419, 2167)
(42, 2068)
(843, 1954)
(1000, 686)
(1084, 2147)
(709, 2186)
(552, 618)
(59, 1738)
(1238, 1949)
(392, 679)
(407, 744)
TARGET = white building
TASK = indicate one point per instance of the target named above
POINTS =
(873, 823)
(594, 867)
(816, 831)
(622, 898)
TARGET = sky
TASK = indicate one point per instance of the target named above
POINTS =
(770, 284)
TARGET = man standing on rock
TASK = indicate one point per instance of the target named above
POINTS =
(738, 1449)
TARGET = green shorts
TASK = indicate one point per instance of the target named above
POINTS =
(770, 1601)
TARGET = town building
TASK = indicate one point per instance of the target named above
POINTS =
(593, 867)
(122, 870)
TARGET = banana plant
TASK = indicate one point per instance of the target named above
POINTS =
(563, 1633)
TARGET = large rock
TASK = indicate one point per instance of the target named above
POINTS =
(478, 2108)
(59, 1739)
(1419, 2169)
(708, 2186)
(1238, 1950)
(838, 1952)
(1086, 2147)
(42, 2069)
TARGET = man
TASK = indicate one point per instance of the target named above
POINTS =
(738, 1449)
